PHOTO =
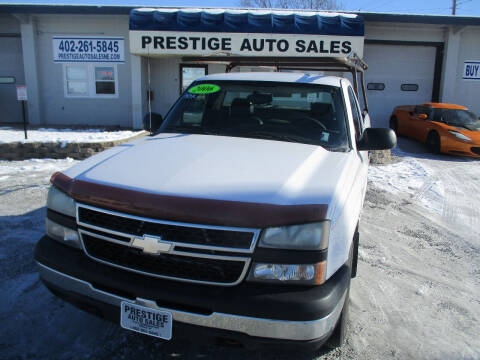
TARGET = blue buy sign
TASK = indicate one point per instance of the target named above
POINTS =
(471, 70)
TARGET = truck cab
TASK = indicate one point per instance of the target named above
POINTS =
(235, 222)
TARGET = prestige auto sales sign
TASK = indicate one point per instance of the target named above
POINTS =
(169, 43)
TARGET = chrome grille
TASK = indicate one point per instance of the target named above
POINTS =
(174, 232)
(195, 253)
(168, 265)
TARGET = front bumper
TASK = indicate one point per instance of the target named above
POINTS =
(457, 147)
(246, 312)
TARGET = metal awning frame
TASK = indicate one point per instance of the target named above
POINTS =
(352, 64)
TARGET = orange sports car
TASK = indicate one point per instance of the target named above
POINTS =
(445, 128)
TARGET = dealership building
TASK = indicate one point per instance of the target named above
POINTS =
(110, 65)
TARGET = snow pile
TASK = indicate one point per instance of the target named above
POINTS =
(411, 177)
(64, 136)
(32, 166)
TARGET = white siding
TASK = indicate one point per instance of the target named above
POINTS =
(165, 82)
(9, 24)
(467, 92)
(404, 32)
(56, 108)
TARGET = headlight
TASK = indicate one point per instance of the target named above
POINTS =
(63, 234)
(64, 205)
(304, 274)
(312, 236)
(459, 135)
(60, 202)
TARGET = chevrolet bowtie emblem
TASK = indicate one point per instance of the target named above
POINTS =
(151, 244)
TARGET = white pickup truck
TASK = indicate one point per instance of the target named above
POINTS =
(236, 222)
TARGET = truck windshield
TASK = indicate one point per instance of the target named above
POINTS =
(302, 113)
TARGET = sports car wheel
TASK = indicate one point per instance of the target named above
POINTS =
(433, 142)
(394, 125)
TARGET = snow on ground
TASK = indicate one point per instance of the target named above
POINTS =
(411, 177)
(26, 182)
(14, 168)
(63, 136)
(444, 185)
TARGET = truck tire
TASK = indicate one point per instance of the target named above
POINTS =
(337, 339)
(356, 240)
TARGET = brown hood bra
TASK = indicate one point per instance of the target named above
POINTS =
(188, 210)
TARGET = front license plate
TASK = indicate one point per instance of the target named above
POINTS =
(146, 320)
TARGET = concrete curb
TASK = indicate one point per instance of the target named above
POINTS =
(38, 150)
(381, 157)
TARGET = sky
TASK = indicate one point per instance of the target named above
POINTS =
(442, 7)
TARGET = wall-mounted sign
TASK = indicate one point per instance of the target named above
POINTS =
(88, 49)
(21, 92)
(471, 70)
(165, 43)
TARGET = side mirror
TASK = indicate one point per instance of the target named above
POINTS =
(157, 120)
(422, 116)
(377, 139)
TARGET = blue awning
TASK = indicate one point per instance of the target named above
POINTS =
(247, 21)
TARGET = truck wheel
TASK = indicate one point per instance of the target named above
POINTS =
(433, 142)
(337, 339)
(356, 240)
(394, 124)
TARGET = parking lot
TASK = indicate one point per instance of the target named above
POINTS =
(416, 294)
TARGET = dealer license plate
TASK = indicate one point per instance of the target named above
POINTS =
(146, 320)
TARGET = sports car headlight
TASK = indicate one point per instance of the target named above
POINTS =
(312, 236)
(60, 202)
(459, 135)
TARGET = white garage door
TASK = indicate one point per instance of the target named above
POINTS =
(11, 67)
(402, 75)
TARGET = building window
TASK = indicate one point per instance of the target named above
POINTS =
(419, 109)
(91, 80)
(189, 73)
(77, 80)
(104, 80)
(409, 87)
(376, 86)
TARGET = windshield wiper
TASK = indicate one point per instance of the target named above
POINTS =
(295, 139)
(337, 148)
(187, 130)
(271, 136)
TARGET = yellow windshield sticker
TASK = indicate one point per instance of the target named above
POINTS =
(204, 89)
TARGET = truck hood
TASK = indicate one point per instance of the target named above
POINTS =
(215, 180)
(221, 168)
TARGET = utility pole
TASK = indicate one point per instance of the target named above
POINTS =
(454, 6)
